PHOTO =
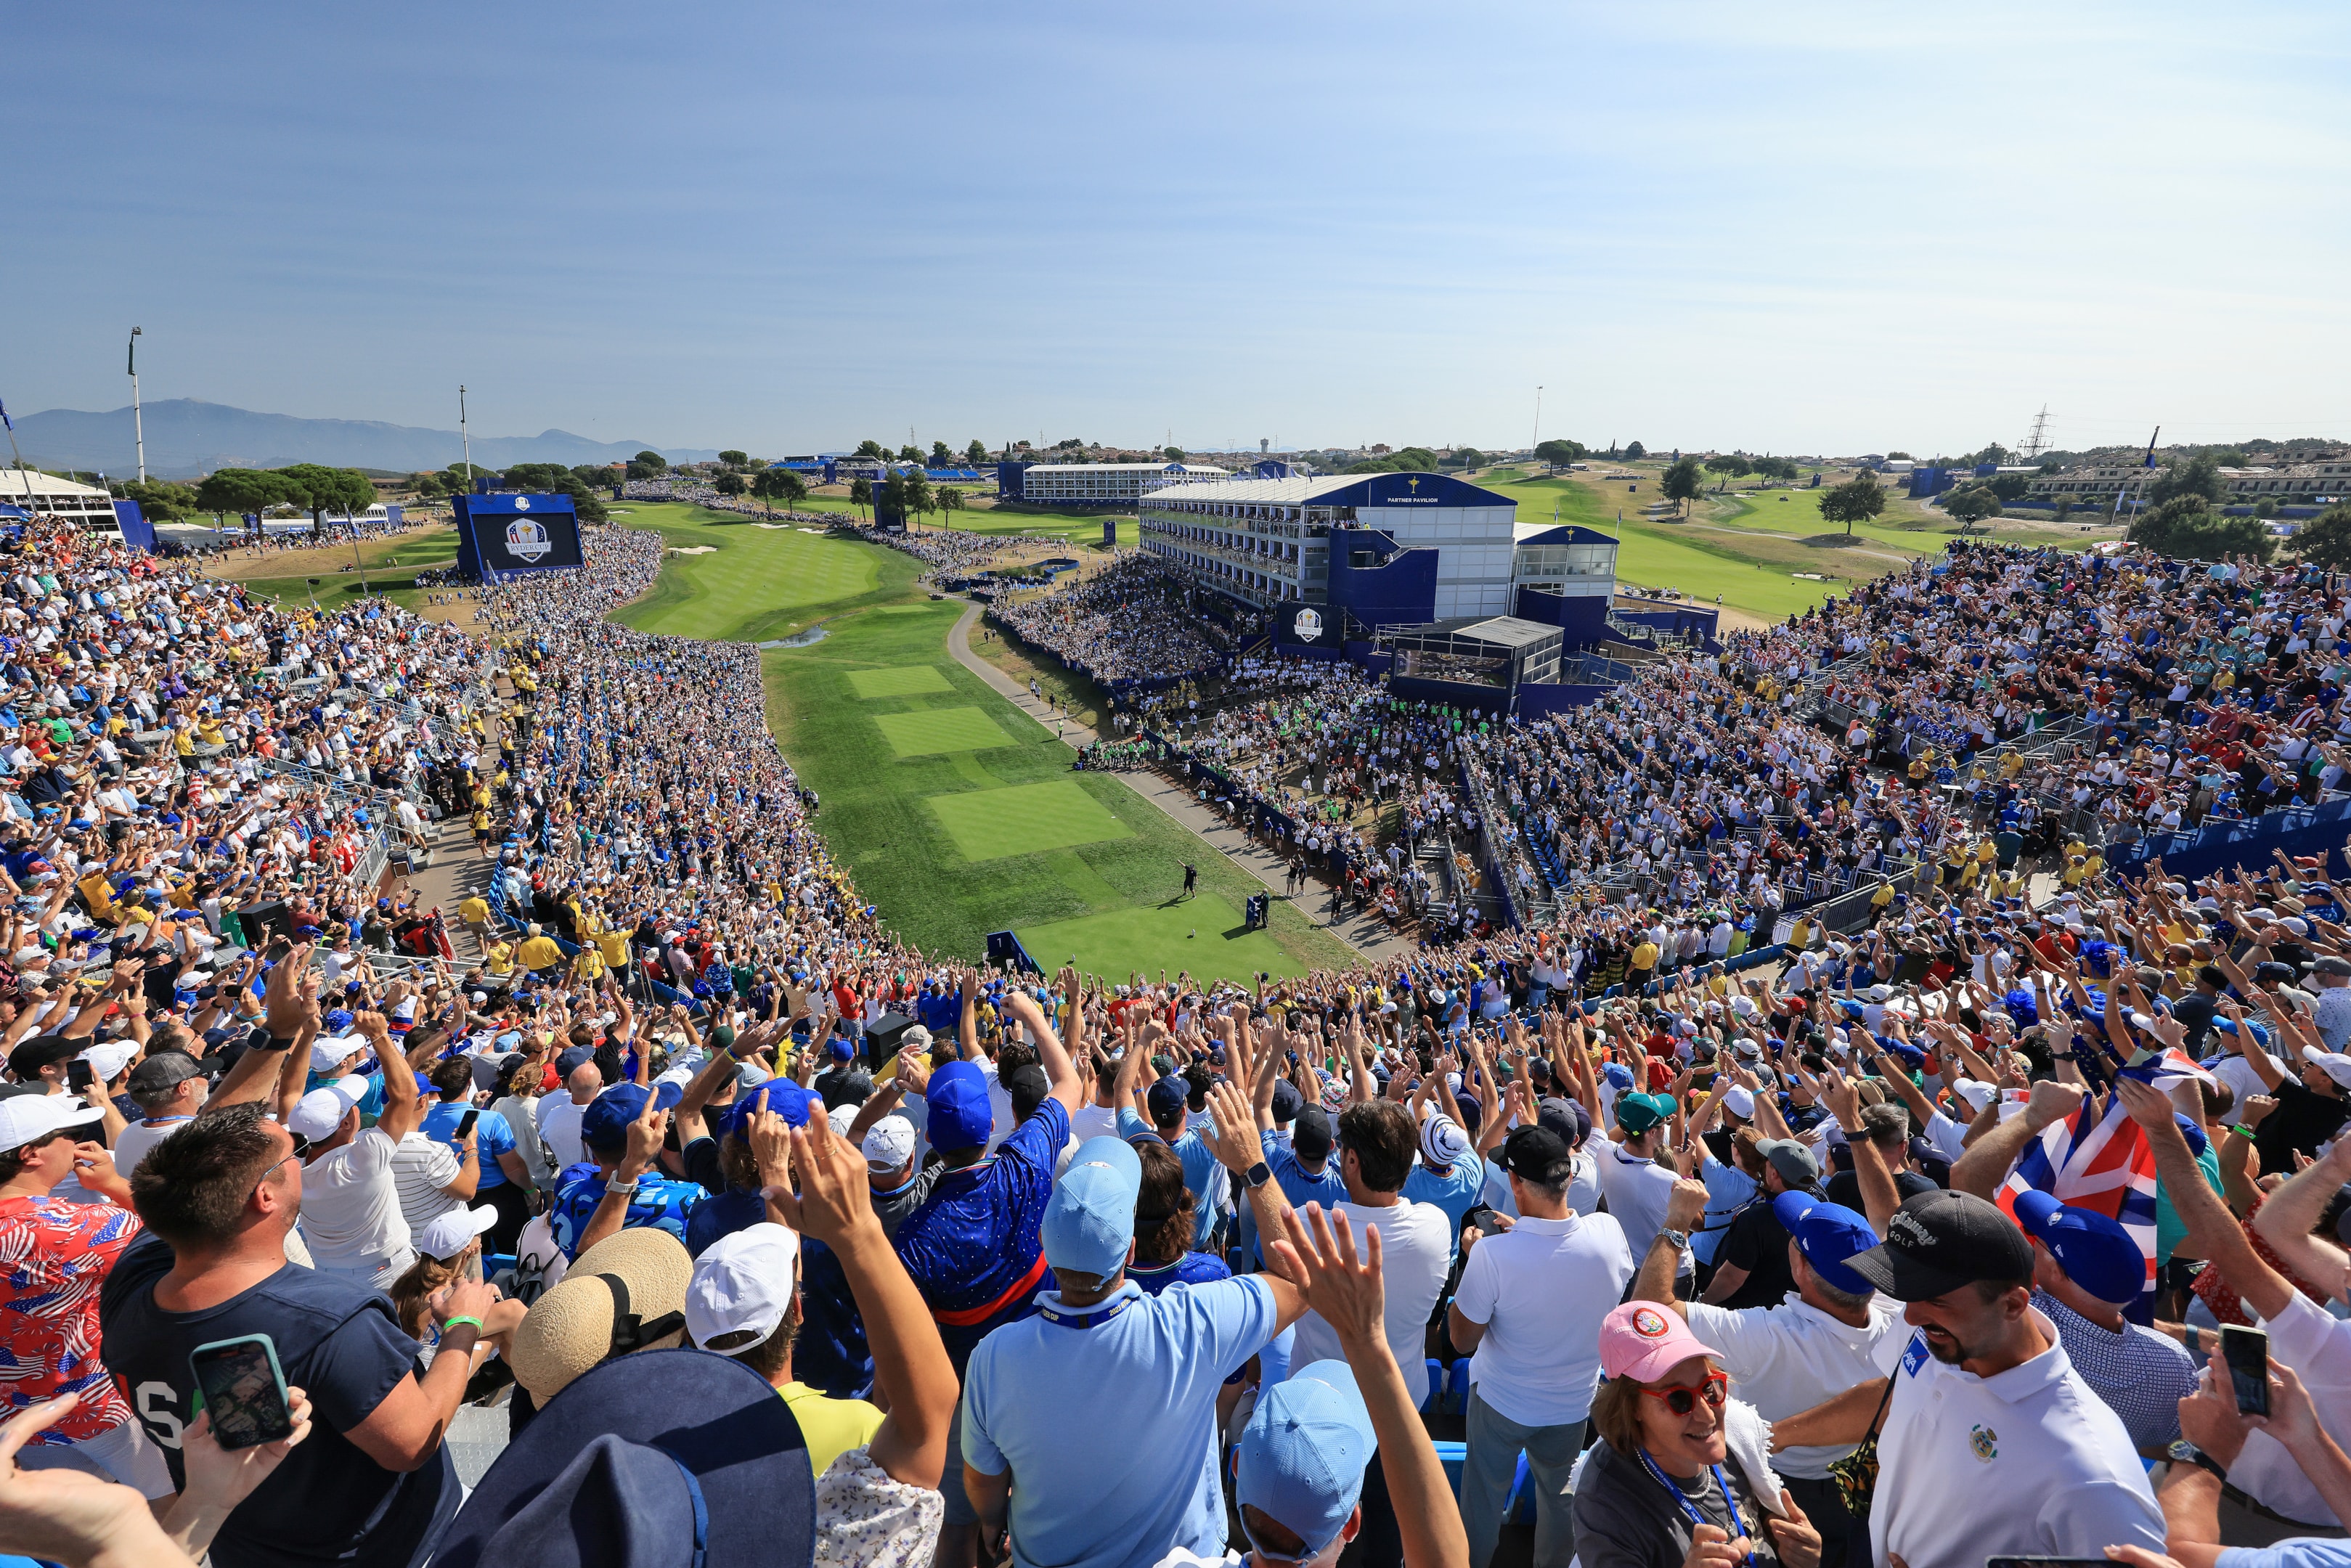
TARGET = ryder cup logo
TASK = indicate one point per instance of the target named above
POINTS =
(1309, 625)
(527, 540)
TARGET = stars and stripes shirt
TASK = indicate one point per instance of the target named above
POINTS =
(55, 1256)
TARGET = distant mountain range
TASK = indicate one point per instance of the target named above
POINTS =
(186, 437)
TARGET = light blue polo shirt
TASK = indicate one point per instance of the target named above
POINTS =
(1098, 1425)
(1455, 1189)
(1200, 1171)
(1728, 1189)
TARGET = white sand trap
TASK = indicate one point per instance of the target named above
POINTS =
(694, 549)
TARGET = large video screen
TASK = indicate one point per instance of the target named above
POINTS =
(527, 540)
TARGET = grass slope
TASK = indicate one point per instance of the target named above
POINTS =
(955, 844)
(392, 564)
(756, 583)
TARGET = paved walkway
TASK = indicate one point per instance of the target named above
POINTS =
(1368, 934)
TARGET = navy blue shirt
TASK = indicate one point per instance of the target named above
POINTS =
(973, 1248)
(338, 1342)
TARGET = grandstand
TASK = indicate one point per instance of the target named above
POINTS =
(1095, 483)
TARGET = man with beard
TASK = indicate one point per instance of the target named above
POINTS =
(1983, 1405)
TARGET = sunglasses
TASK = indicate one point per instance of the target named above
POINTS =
(1715, 1390)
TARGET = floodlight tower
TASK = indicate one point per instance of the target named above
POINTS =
(138, 422)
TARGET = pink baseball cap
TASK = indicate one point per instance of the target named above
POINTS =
(1644, 1341)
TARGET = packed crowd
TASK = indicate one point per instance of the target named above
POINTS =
(1920, 1245)
(1133, 620)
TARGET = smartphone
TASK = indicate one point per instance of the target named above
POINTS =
(465, 1122)
(2247, 1353)
(78, 1075)
(239, 1381)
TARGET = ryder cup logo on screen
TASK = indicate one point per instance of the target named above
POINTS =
(526, 540)
(1309, 625)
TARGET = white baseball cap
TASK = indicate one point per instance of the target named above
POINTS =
(318, 1113)
(1739, 1102)
(446, 1236)
(26, 1117)
(334, 1050)
(889, 1144)
(107, 1061)
(2334, 1063)
(742, 1288)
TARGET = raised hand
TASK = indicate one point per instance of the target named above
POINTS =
(1350, 1294)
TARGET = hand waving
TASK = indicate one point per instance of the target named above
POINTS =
(1351, 1296)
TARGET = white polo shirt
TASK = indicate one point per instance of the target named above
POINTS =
(2307, 1338)
(1637, 1191)
(558, 1129)
(1416, 1254)
(1786, 1359)
(1541, 1289)
(2027, 1463)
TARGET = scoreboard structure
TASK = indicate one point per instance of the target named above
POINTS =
(501, 535)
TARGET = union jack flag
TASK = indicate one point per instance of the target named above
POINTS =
(2105, 1164)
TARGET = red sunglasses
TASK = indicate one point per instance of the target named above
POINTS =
(1682, 1401)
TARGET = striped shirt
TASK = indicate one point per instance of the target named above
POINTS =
(421, 1168)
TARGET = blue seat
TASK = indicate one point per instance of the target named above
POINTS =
(1455, 1458)
(1457, 1387)
(1520, 1507)
(1430, 1401)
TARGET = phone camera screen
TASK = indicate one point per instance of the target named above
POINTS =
(240, 1392)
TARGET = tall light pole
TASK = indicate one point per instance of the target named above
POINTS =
(1538, 441)
(138, 422)
(465, 436)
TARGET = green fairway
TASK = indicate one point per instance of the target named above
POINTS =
(908, 681)
(953, 843)
(1202, 934)
(1747, 571)
(929, 731)
(756, 583)
(988, 825)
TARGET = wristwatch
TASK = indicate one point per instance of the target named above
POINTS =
(1680, 1238)
(1258, 1174)
(2184, 1452)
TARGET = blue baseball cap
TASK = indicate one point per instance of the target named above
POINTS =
(782, 1095)
(604, 1125)
(573, 1060)
(1301, 1455)
(1828, 1234)
(1166, 1100)
(960, 1115)
(339, 1020)
(1089, 1224)
(2095, 1251)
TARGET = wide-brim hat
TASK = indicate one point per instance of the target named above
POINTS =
(626, 1293)
(662, 1460)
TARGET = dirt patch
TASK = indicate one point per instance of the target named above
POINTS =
(1834, 541)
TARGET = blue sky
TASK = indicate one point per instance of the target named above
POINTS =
(1794, 227)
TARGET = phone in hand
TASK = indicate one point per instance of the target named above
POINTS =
(2247, 1353)
(465, 1122)
(239, 1381)
(78, 1075)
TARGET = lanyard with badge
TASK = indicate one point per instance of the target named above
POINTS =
(1730, 1502)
